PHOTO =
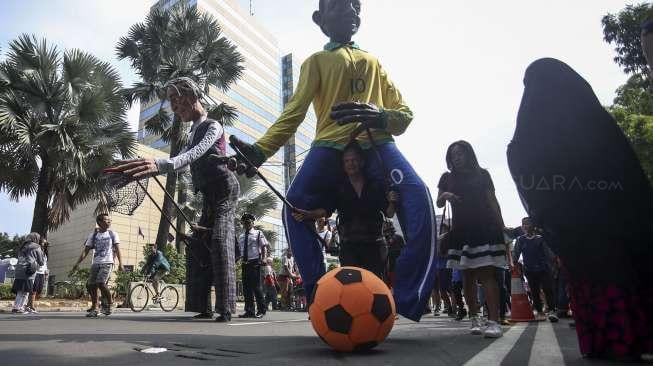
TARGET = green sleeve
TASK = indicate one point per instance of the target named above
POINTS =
(397, 114)
(295, 111)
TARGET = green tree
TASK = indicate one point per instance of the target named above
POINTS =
(9, 246)
(633, 104)
(623, 31)
(62, 119)
(181, 41)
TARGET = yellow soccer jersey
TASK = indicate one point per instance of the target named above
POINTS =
(340, 73)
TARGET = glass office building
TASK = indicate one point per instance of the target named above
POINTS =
(258, 96)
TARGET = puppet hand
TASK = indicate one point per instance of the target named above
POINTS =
(252, 157)
(136, 168)
(367, 114)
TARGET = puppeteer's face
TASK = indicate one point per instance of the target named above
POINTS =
(352, 162)
(341, 19)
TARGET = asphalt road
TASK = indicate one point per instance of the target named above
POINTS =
(279, 339)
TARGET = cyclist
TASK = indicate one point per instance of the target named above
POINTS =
(155, 269)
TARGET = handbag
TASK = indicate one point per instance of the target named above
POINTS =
(444, 239)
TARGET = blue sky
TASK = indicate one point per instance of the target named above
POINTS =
(458, 63)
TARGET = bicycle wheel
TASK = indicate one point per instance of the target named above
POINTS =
(139, 297)
(169, 298)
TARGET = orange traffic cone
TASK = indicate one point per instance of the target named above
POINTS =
(521, 310)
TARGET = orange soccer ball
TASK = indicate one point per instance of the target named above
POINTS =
(352, 309)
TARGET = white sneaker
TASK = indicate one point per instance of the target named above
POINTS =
(476, 326)
(493, 330)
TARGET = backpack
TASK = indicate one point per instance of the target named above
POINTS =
(113, 238)
(26, 263)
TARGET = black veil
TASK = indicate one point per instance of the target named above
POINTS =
(576, 173)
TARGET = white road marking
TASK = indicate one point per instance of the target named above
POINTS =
(546, 350)
(499, 349)
(268, 322)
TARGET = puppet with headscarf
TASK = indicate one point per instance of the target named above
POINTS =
(581, 182)
(352, 93)
(204, 154)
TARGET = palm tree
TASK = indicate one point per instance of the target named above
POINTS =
(253, 199)
(62, 119)
(172, 43)
(257, 201)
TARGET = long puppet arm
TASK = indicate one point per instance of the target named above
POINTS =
(294, 113)
(167, 165)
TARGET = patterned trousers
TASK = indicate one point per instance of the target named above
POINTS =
(218, 213)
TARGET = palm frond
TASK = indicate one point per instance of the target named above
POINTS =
(223, 113)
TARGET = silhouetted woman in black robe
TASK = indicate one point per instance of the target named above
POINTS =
(580, 180)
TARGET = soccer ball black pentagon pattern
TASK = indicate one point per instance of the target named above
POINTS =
(352, 309)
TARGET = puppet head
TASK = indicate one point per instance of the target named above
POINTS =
(338, 19)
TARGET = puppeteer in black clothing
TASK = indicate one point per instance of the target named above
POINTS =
(362, 205)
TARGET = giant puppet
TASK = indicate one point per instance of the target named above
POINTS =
(352, 93)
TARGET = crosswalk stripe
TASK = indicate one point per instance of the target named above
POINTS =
(546, 349)
(499, 349)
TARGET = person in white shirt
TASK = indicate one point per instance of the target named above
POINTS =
(326, 235)
(285, 278)
(105, 244)
(251, 245)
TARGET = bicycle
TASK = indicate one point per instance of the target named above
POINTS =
(139, 296)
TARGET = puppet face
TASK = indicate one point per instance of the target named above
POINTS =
(458, 157)
(339, 19)
(182, 105)
(352, 162)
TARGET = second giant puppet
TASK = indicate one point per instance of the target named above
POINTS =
(351, 92)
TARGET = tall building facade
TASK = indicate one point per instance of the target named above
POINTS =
(259, 97)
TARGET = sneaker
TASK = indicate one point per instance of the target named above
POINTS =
(462, 313)
(92, 314)
(493, 330)
(476, 326)
(106, 310)
(31, 310)
(18, 311)
(436, 312)
(449, 311)
(223, 318)
(563, 314)
(553, 318)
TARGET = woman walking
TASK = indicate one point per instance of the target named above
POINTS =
(30, 258)
(476, 244)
